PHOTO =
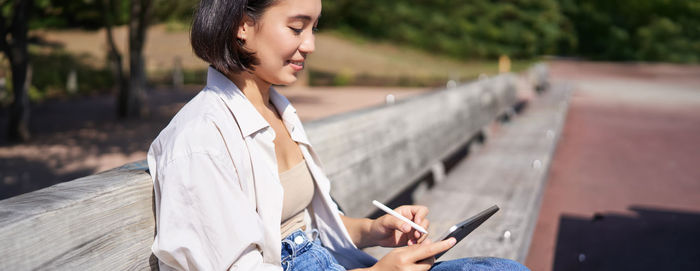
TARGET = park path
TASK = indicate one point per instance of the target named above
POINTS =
(623, 188)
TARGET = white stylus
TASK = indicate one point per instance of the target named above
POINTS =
(399, 216)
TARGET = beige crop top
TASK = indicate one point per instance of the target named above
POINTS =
(299, 190)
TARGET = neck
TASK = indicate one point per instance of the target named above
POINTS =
(256, 90)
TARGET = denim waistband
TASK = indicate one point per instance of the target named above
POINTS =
(298, 242)
(295, 244)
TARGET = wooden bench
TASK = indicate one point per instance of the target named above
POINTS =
(510, 170)
(106, 221)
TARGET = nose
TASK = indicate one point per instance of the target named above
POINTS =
(308, 45)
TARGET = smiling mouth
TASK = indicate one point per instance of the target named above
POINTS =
(296, 65)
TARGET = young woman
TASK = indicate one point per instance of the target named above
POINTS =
(237, 183)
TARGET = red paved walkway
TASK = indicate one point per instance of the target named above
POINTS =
(624, 187)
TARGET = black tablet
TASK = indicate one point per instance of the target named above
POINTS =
(464, 228)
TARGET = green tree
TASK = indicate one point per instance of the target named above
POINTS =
(111, 10)
(14, 17)
(650, 30)
(92, 14)
(466, 29)
(132, 101)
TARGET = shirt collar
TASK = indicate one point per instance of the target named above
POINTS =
(289, 116)
(249, 119)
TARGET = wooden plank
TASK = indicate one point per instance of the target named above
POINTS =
(99, 222)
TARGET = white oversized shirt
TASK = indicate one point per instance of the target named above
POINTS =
(218, 198)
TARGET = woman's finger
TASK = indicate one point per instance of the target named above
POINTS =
(406, 211)
(426, 264)
(424, 240)
(424, 251)
(425, 224)
(397, 224)
(416, 213)
(420, 212)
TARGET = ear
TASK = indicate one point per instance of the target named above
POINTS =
(245, 29)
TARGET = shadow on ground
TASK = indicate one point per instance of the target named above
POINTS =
(19, 175)
(76, 137)
(653, 239)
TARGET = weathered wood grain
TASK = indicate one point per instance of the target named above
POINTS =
(99, 222)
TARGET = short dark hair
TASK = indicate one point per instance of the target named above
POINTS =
(214, 32)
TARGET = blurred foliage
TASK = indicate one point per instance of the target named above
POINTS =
(50, 74)
(463, 29)
(87, 13)
(174, 10)
(70, 13)
(649, 30)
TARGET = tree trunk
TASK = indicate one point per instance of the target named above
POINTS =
(18, 55)
(136, 96)
(110, 10)
(19, 110)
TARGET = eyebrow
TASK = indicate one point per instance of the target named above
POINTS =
(304, 17)
(301, 17)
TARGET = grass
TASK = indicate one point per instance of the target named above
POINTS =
(341, 60)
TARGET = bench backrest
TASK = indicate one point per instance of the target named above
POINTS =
(106, 221)
(378, 152)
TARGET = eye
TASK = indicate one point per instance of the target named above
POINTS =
(296, 30)
(314, 29)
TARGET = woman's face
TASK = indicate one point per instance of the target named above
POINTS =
(282, 39)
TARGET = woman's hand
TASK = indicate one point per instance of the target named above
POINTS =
(389, 231)
(413, 257)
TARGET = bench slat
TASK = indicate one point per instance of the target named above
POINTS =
(102, 221)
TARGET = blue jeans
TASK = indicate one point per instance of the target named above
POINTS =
(300, 253)
(478, 263)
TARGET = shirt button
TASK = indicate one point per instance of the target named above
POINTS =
(298, 240)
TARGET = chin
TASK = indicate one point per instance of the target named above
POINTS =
(286, 80)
